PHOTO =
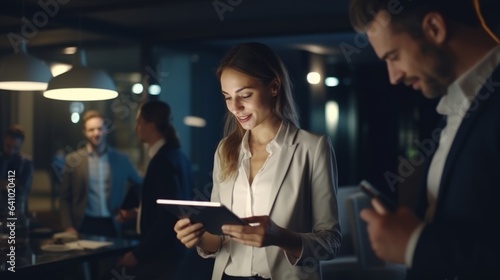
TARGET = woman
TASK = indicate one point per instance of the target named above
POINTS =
(280, 178)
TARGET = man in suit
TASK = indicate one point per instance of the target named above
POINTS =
(94, 182)
(16, 170)
(440, 48)
(168, 176)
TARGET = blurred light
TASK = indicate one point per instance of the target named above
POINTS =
(59, 68)
(75, 117)
(313, 78)
(137, 88)
(332, 116)
(154, 89)
(194, 121)
(76, 107)
(331, 82)
(70, 50)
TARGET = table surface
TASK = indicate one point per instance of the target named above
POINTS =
(30, 258)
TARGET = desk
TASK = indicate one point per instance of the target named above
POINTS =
(31, 260)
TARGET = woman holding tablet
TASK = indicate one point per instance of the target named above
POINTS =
(280, 179)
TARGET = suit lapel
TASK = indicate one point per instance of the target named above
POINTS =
(83, 153)
(468, 121)
(286, 155)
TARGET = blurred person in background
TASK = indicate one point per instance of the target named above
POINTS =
(94, 182)
(168, 176)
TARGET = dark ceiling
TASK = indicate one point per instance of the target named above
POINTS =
(56, 23)
(319, 26)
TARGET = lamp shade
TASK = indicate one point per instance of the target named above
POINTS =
(23, 72)
(81, 84)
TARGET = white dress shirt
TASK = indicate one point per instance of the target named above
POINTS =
(454, 105)
(152, 151)
(253, 200)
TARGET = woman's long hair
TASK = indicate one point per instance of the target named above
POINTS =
(159, 113)
(260, 62)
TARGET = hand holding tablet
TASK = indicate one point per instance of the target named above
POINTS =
(213, 215)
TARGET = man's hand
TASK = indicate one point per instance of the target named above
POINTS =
(126, 215)
(389, 232)
(261, 231)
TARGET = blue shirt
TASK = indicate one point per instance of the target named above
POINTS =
(99, 185)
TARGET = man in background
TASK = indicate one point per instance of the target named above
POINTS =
(16, 169)
(95, 180)
(440, 48)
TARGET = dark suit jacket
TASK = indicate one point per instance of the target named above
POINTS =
(75, 185)
(168, 176)
(464, 238)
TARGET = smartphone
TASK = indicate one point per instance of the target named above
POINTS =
(389, 204)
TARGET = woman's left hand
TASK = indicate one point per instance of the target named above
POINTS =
(264, 232)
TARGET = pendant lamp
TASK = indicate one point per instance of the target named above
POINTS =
(23, 72)
(81, 84)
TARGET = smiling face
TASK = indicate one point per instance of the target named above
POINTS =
(420, 63)
(95, 131)
(247, 99)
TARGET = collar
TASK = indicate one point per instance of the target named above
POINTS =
(464, 89)
(272, 146)
(91, 152)
(153, 150)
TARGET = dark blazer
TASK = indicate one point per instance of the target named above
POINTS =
(463, 240)
(75, 184)
(168, 176)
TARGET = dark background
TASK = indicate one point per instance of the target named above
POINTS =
(377, 126)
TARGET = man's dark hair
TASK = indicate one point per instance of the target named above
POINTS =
(159, 113)
(407, 15)
(15, 131)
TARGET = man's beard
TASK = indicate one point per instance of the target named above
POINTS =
(436, 83)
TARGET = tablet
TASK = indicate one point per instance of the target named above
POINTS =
(211, 214)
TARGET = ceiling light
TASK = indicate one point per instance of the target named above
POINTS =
(59, 68)
(70, 50)
(154, 89)
(23, 72)
(75, 117)
(313, 78)
(195, 121)
(332, 116)
(137, 88)
(331, 81)
(81, 84)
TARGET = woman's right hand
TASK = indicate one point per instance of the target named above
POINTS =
(190, 235)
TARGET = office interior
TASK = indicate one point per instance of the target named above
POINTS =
(169, 50)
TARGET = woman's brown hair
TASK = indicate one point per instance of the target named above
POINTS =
(260, 62)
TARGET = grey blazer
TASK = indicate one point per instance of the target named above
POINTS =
(75, 184)
(303, 200)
